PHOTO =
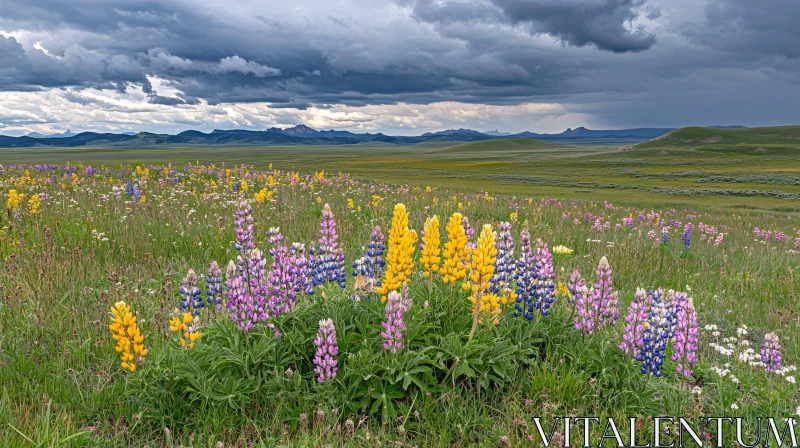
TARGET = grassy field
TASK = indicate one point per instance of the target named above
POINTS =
(74, 241)
(727, 169)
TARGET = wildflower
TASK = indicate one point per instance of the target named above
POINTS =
(34, 203)
(328, 258)
(665, 235)
(685, 339)
(562, 250)
(214, 285)
(14, 200)
(687, 235)
(398, 258)
(127, 334)
(186, 325)
(654, 340)
(263, 195)
(771, 352)
(190, 294)
(368, 269)
(505, 265)
(281, 279)
(545, 288)
(575, 283)
(632, 338)
(429, 257)
(456, 252)
(469, 231)
(393, 324)
(481, 271)
(526, 277)
(734, 407)
(325, 356)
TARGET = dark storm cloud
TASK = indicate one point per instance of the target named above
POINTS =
(497, 52)
(576, 22)
(759, 29)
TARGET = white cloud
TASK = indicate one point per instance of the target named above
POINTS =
(236, 64)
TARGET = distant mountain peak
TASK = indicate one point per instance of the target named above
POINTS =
(460, 131)
(65, 134)
(299, 129)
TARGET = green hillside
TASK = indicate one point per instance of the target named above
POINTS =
(691, 137)
(511, 144)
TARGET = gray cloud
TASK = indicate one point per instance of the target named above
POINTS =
(623, 57)
(604, 23)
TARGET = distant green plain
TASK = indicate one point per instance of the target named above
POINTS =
(756, 168)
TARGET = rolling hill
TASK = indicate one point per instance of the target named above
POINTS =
(692, 137)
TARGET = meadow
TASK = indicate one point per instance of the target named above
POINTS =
(246, 297)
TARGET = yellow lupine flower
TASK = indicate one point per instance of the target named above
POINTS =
(350, 203)
(399, 263)
(34, 203)
(429, 258)
(456, 251)
(14, 200)
(480, 272)
(562, 250)
(126, 332)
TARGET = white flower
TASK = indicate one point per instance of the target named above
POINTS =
(735, 380)
(697, 390)
(734, 406)
(790, 379)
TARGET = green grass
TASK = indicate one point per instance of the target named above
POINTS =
(725, 176)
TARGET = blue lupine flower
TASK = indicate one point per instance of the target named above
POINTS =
(525, 277)
(665, 235)
(655, 337)
(190, 294)
(214, 285)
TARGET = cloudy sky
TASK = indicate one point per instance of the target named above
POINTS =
(396, 66)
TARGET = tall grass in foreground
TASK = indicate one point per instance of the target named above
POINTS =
(91, 241)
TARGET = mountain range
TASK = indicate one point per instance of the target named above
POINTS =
(304, 135)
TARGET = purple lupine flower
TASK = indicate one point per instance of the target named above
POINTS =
(638, 313)
(240, 305)
(525, 276)
(190, 294)
(282, 294)
(504, 265)
(606, 296)
(586, 313)
(771, 352)
(545, 293)
(685, 347)
(687, 235)
(575, 283)
(469, 231)
(394, 322)
(298, 266)
(328, 257)
(214, 285)
(327, 349)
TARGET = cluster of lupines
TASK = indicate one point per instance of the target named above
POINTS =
(598, 307)
(429, 254)
(399, 263)
(327, 349)
(214, 286)
(480, 273)
(638, 315)
(665, 235)
(126, 332)
(469, 232)
(132, 190)
(397, 305)
(505, 265)
(247, 282)
(771, 352)
(327, 259)
(456, 251)
(368, 269)
(575, 285)
(685, 345)
(545, 274)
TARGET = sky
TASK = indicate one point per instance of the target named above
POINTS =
(400, 67)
